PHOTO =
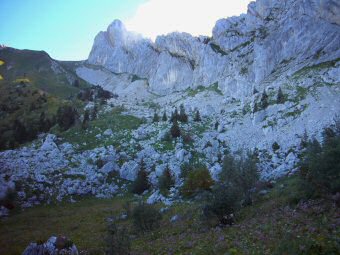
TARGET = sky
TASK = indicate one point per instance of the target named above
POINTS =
(66, 28)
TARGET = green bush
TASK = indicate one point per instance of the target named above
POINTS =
(320, 165)
(240, 172)
(146, 217)
(117, 241)
(197, 181)
(141, 183)
(165, 182)
(66, 117)
(222, 203)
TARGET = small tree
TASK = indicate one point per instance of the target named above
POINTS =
(321, 164)
(155, 117)
(174, 116)
(146, 217)
(280, 97)
(264, 100)
(216, 125)
(141, 183)
(222, 203)
(166, 181)
(94, 113)
(197, 181)
(66, 117)
(117, 240)
(86, 120)
(241, 172)
(164, 118)
(256, 108)
(175, 130)
(183, 117)
(197, 117)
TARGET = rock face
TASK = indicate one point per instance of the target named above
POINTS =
(274, 37)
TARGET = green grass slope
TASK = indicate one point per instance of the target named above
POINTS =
(273, 225)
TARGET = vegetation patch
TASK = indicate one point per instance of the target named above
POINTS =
(317, 67)
(216, 48)
(214, 88)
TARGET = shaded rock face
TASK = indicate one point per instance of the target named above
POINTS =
(274, 37)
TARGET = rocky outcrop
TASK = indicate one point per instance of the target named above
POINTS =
(53, 246)
(274, 37)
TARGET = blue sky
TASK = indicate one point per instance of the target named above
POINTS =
(63, 28)
(66, 28)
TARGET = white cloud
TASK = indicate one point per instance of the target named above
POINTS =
(197, 17)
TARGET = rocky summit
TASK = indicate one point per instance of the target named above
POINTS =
(159, 117)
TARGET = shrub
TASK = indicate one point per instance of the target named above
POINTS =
(66, 117)
(197, 117)
(141, 183)
(146, 217)
(197, 181)
(165, 182)
(174, 130)
(117, 241)
(275, 146)
(222, 203)
(280, 97)
(241, 172)
(321, 164)
(264, 100)
(187, 139)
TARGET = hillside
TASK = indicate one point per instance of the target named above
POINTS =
(33, 87)
(237, 135)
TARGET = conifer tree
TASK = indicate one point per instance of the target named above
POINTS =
(155, 117)
(166, 181)
(197, 117)
(264, 100)
(280, 97)
(94, 113)
(174, 130)
(86, 120)
(141, 183)
(216, 125)
(183, 117)
(164, 118)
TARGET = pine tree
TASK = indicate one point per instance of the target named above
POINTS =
(256, 108)
(264, 100)
(164, 118)
(174, 130)
(94, 113)
(183, 117)
(174, 116)
(280, 97)
(255, 91)
(155, 117)
(86, 120)
(141, 183)
(166, 181)
(42, 122)
(197, 117)
(216, 125)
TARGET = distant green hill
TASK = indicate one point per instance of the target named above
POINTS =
(32, 88)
